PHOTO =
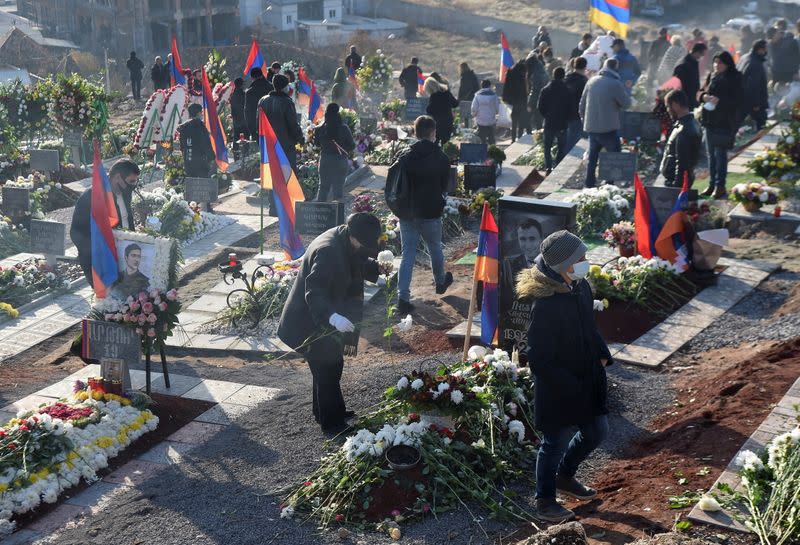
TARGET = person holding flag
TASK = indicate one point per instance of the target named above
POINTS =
(568, 357)
(282, 115)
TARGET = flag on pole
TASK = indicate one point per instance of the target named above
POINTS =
(487, 271)
(506, 60)
(611, 15)
(255, 60)
(103, 219)
(277, 175)
(644, 221)
(671, 241)
(307, 95)
(214, 125)
(421, 81)
(176, 75)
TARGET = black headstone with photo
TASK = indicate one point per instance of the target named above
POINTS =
(45, 160)
(204, 190)
(416, 107)
(523, 224)
(117, 347)
(16, 201)
(617, 167)
(478, 176)
(452, 182)
(662, 200)
(47, 237)
(472, 153)
(368, 124)
(314, 218)
(465, 112)
(641, 125)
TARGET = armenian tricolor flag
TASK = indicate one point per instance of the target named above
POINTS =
(307, 95)
(487, 271)
(506, 60)
(214, 125)
(176, 76)
(644, 220)
(277, 175)
(103, 219)
(671, 241)
(255, 60)
(611, 15)
(421, 81)
(351, 75)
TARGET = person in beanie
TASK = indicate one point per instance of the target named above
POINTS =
(325, 304)
(195, 140)
(753, 67)
(568, 359)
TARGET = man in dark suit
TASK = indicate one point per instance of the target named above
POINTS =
(258, 89)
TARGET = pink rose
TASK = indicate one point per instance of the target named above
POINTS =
(127, 317)
(135, 306)
(152, 318)
(141, 319)
(151, 332)
(162, 307)
(153, 294)
(172, 294)
(143, 297)
(147, 308)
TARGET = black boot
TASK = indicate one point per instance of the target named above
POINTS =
(549, 510)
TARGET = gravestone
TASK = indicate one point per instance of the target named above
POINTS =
(390, 134)
(478, 176)
(48, 238)
(45, 160)
(465, 111)
(473, 153)
(205, 190)
(368, 125)
(16, 201)
(116, 345)
(73, 140)
(641, 125)
(662, 200)
(452, 181)
(617, 167)
(314, 218)
(416, 107)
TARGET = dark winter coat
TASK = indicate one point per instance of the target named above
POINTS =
(258, 89)
(468, 86)
(555, 105)
(656, 53)
(408, 79)
(754, 81)
(282, 115)
(340, 134)
(330, 280)
(727, 86)
(354, 60)
(159, 75)
(440, 108)
(135, 67)
(565, 349)
(237, 112)
(576, 83)
(536, 74)
(682, 151)
(196, 148)
(785, 59)
(428, 170)
(515, 89)
(688, 71)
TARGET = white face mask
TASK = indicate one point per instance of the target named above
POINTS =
(579, 270)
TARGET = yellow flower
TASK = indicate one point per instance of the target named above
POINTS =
(605, 303)
(33, 479)
(595, 270)
(104, 442)
(3, 487)
(83, 395)
(72, 455)
(97, 396)
(43, 473)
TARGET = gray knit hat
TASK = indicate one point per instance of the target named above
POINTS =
(562, 249)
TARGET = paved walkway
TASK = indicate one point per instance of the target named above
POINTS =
(768, 141)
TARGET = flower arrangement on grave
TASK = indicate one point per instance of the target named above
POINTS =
(621, 235)
(165, 213)
(13, 96)
(28, 280)
(215, 68)
(534, 157)
(386, 152)
(375, 74)
(754, 195)
(393, 110)
(489, 444)
(366, 202)
(270, 293)
(486, 194)
(451, 150)
(497, 155)
(149, 130)
(48, 450)
(174, 172)
(152, 314)
(598, 208)
(771, 163)
(365, 143)
(308, 176)
(349, 118)
(78, 104)
(704, 216)
(45, 195)
(14, 238)
(653, 284)
(37, 105)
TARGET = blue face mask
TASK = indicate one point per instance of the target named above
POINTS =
(579, 270)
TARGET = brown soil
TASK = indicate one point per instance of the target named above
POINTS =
(792, 303)
(624, 322)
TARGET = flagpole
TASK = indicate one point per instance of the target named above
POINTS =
(262, 219)
(470, 315)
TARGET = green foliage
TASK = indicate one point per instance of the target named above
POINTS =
(375, 74)
(350, 118)
(215, 68)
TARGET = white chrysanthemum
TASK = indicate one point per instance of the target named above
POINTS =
(402, 384)
(456, 397)
(417, 384)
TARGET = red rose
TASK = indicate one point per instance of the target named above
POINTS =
(339, 517)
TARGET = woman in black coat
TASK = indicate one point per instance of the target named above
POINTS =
(721, 98)
(515, 94)
(237, 109)
(469, 84)
(568, 357)
(336, 142)
(440, 107)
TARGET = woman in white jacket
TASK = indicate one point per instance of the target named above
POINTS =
(485, 108)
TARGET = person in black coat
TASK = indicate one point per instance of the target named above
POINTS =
(135, 67)
(555, 105)
(282, 115)
(124, 175)
(159, 74)
(537, 78)
(688, 71)
(440, 108)
(576, 83)
(258, 89)
(683, 144)
(515, 94)
(469, 84)
(722, 100)
(754, 79)
(325, 304)
(408, 79)
(568, 357)
(237, 109)
(195, 141)
(336, 143)
(353, 60)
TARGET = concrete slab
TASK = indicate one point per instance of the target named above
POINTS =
(251, 395)
(92, 370)
(22, 537)
(179, 384)
(223, 413)
(62, 388)
(210, 302)
(27, 403)
(94, 495)
(138, 378)
(211, 342)
(166, 453)
(213, 390)
(58, 518)
(196, 433)
(257, 345)
(134, 473)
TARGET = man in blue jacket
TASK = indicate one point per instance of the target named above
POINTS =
(628, 70)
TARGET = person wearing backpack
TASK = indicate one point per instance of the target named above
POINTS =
(335, 141)
(418, 183)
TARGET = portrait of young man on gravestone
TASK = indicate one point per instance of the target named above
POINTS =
(134, 263)
(529, 237)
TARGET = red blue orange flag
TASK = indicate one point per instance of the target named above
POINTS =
(644, 220)
(255, 60)
(611, 15)
(421, 81)
(671, 241)
(307, 95)
(487, 271)
(103, 219)
(277, 175)
(506, 60)
(176, 75)
(214, 125)
(351, 74)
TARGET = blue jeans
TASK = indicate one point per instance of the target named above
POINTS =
(574, 133)
(597, 141)
(561, 140)
(561, 453)
(410, 231)
(717, 165)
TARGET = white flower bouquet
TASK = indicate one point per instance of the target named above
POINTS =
(598, 208)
